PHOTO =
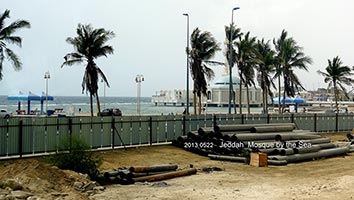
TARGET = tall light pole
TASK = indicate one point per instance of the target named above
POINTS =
(139, 78)
(46, 77)
(187, 51)
(230, 57)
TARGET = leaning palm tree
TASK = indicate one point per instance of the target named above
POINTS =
(337, 75)
(89, 44)
(265, 59)
(7, 37)
(290, 56)
(203, 48)
(236, 34)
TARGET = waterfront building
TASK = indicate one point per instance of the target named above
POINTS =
(217, 95)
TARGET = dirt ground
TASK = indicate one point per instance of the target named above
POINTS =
(321, 179)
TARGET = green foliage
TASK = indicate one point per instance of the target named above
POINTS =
(78, 159)
(245, 153)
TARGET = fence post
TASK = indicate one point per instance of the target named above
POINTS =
(242, 119)
(315, 122)
(214, 121)
(184, 124)
(112, 131)
(268, 118)
(150, 127)
(20, 136)
(336, 122)
(292, 117)
(70, 127)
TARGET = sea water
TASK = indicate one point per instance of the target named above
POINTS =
(128, 105)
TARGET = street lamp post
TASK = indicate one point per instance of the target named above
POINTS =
(230, 58)
(139, 78)
(187, 51)
(46, 77)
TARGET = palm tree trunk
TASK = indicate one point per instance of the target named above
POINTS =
(234, 100)
(279, 93)
(195, 102)
(91, 105)
(336, 96)
(98, 103)
(200, 104)
(283, 107)
(248, 100)
(240, 95)
(194, 99)
(263, 100)
(266, 101)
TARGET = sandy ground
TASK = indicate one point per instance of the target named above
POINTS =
(321, 179)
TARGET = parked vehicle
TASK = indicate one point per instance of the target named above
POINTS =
(110, 112)
(4, 114)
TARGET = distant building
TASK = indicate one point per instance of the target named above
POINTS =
(217, 95)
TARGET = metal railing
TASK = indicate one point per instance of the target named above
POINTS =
(32, 136)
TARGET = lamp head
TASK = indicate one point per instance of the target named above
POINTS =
(185, 14)
(236, 8)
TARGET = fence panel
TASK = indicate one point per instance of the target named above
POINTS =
(193, 122)
(153, 129)
(39, 135)
(326, 122)
(52, 134)
(283, 118)
(304, 121)
(135, 130)
(4, 131)
(47, 134)
(145, 130)
(208, 120)
(170, 127)
(178, 125)
(344, 122)
(161, 128)
(121, 131)
(106, 132)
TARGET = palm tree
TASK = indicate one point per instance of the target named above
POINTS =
(290, 56)
(236, 34)
(203, 48)
(278, 47)
(265, 59)
(245, 58)
(7, 37)
(337, 75)
(89, 44)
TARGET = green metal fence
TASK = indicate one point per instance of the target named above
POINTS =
(31, 136)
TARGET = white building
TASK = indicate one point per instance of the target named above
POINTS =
(217, 94)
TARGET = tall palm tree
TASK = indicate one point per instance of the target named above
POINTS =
(203, 48)
(290, 56)
(278, 48)
(236, 34)
(89, 44)
(337, 75)
(7, 37)
(245, 58)
(265, 59)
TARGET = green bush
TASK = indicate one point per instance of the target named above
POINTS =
(77, 157)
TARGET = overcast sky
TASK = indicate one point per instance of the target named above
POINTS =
(151, 38)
